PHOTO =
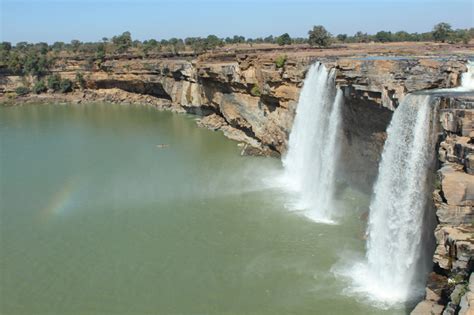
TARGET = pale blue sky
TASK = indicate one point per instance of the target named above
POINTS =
(90, 20)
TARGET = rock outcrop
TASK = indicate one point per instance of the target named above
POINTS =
(454, 202)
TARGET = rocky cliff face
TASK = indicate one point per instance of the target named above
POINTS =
(449, 289)
(252, 98)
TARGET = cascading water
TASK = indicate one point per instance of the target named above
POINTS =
(394, 269)
(312, 156)
(467, 78)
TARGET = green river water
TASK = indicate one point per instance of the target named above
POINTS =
(98, 219)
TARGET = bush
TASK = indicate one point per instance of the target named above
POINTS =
(22, 90)
(80, 81)
(54, 82)
(39, 87)
(255, 91)
(280, 61)
(65, 86)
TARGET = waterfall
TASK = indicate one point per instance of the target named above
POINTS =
(467, 78)
(312, 156)
(394, 270)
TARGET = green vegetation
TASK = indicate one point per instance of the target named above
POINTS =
(441, 32)
(22, 90)
(54, 82)
(319, 36)
(39, 87)
(57, 84)
(122, 42)
(65, 86)
(255, 91)
(80, 81)
(280, 61)
(284, 39)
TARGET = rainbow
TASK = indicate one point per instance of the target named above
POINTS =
(61, 201)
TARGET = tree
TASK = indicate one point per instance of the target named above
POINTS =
(319, 36)
(269, 39)
(402, 36)
(75, 44)
(212, 42)
(21, 46)
(58, 46)
(460, 35)
(342, 38)
(37, 65)
(149, 45)
(238, 39)
(5, 48)
(441, 32)
(100, 52)
(383, 37)
(122, 42)
(15, 63)
(361, 37)
(284, 39)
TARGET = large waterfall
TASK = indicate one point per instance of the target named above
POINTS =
(312, 156)
(399, 217)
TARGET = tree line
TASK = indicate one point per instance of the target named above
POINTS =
(37, 58)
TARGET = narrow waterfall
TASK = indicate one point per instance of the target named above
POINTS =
(467, 78)
(312, 156)
(399, 218)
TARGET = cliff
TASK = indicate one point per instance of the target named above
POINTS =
(450, 289)
(252, 97)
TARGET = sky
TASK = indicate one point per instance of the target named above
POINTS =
(91, 20)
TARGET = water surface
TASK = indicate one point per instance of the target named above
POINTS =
(98, 218)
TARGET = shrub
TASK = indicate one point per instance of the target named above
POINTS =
(22, 90)
(54, 82)
(65, 86)
(80, 81)
(39, 87)
(280, 61)
(255, 91)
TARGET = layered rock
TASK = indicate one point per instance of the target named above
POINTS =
(256, 99)
(454, 202)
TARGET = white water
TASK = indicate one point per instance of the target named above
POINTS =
(467, 81)
(312, 156)
(393, 270)
(467, 78)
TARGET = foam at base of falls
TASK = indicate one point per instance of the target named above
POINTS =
(390, 273)
(311, 161)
